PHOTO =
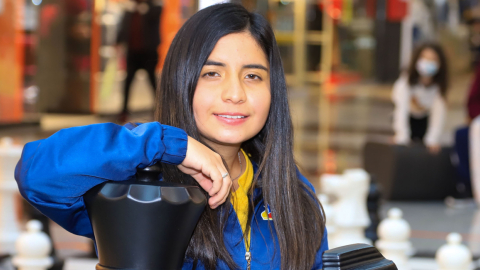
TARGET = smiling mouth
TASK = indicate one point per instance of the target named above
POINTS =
(231, 116)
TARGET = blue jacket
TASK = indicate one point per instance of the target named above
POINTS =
(54, 173)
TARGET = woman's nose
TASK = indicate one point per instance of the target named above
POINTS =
(234, 91)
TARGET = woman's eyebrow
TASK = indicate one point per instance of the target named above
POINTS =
(213, 63)
(256, 66)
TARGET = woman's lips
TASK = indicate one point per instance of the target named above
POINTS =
(231, 119)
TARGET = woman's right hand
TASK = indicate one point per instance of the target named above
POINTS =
(207, 168)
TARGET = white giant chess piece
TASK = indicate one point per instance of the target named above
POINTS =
(329, 182)
(454, 255)
(33, 248)
(351, 215)
(394, 234)
(9, 227)
(329, 214)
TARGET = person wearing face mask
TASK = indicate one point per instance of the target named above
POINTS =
(419, 98)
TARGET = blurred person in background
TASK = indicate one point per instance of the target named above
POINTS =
(475, 40)
(419, 98)
(140, 33)
(473, 102)
(462, 145)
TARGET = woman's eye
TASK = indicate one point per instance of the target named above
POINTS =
(253, 77)
(211, 74)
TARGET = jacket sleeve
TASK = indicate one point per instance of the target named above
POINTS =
(54, 173)
(401, 99)
(436, 122)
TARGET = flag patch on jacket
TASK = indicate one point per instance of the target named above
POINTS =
(267, 214)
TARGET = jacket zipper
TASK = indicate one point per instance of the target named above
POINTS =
(248, 254)
(248, 257)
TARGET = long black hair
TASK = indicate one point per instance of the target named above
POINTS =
(297, 215)
(441, 78)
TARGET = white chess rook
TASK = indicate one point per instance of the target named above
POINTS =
(9, 228)
(394, 234)
(33, 248)
(454, 255)
(351, 215)
(329, 214)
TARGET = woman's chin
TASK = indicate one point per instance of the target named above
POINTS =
(229, 137)
(229, 140)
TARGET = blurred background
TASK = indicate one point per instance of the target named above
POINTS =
(67, 63)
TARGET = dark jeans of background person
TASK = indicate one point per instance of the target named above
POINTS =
(146, 60)
(418, 128)
(464, 184)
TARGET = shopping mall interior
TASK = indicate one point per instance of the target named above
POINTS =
(63, 64)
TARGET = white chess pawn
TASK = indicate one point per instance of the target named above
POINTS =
(454, 255)
(9, 227)
(394, 234)
(329, 214)
(351, 215)
(33, 248)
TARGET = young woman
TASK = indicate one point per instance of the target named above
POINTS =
(222, 100)
(419, 98)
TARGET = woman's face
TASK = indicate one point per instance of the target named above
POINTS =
(430, 55)
(232, 98)
(428, 63)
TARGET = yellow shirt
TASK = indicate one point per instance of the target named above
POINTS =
(239, 198)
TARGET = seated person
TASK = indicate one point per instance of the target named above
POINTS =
(419, 98)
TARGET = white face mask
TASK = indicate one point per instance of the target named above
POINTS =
(427, 68)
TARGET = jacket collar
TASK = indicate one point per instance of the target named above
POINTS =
(257, 191)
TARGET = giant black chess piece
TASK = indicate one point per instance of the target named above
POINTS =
(356, 257)
(143, 224)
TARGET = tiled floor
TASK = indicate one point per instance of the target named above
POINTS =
(431, 222)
